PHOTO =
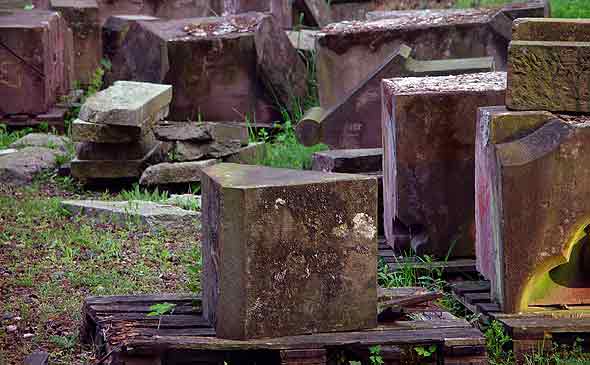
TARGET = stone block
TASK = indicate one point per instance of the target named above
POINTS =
(175, 173)
(134, 150)
(537, 203)
(82, 18)
(355, 122)
(35, 67)
(348, 161)
(251, 154)
(202, 132)
(495, 125)
(20, 167)
(190, 151)
(316, 13)
(203, 58)
(127, 103)
(102, 133)
(356, 49)
(548, 66)
(429, 141)
(280, 9)
(290, 265)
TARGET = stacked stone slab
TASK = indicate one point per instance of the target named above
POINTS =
(35, 62)
(217, 65)
(276, 262)
(357, 48)
(428, 163)
(115, 127)
(532, 173)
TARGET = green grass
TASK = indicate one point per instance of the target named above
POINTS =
(50, 261)
(559, 8)
(7, 138)
(137, 193)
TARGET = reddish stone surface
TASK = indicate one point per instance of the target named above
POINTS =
(429, 142)
(82, 18)
(277, 263)
(212, 64)
(280, 9)
(35, 68)
(538, 208)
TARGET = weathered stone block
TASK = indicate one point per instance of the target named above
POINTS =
(428, 142)
(202, 132)
(349, 161)
(134, 150)
(355, 122)
(175, 173)
(190, 151)
(549, 75)
(551, 30)
(82, 18)
(251, 154)
(203, 58)
(536, 201)
(35, 66)
(127, 103)
(316, 13)
(276, 262)
(102, 133)
(280, 9)
(356, 49)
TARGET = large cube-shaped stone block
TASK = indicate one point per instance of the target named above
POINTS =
(217, 65)
(429, 143)
(533, 201)
(82, 18)
(35, 61)
(288, 252)
(356, 49)
(549, 66)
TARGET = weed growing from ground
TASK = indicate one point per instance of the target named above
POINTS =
(8, 137)
(136, 193)
(559, 8)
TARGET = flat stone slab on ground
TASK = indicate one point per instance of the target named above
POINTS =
(292, 264)
(356, 49)
(42, 71)
(534, 199)
(154, 215)
(21, 167)
(429, 142)
(42, 140)
(175, 172)
(126, 103)
(549, 66)
(352, 161)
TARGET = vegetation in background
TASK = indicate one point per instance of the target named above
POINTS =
(136, 193)
(7, 138)
(559, 8)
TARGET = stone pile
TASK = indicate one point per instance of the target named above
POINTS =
(532, 171)
(115, 128)
(35, 66)
(429, 126)
(276, 262)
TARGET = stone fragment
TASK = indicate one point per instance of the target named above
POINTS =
(114, 32)
(303, 39)
(197, 56)
(316, 13)
(225, 132)
(175, 173)
(42, 140)
(356, 49)
(537, 202)
(126, 103)
(82, 18)
(152, 215)
(37, 358)
(546, 74)
(7, 151)
(182, 131)
(348, 161)
(102, 133)
(134, 150)
(495, 125)
(21, 167)
(188, 151)
(292, 265)
(429, 141)
(355, 122)
(251, 154)
(281, 10)
(35, 65)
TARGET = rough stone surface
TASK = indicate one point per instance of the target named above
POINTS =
(134, 150)
(316, 13)
(303, 39)
(538, 207)
(551, 30)
(248, 155)
(156, 216)
(42, 140)
(21, 167)
(188, 151)
(126, 103)
(82, 18)
(280, 9)
(355, 122)
(35, 63)
(290, 265)
(175, 173)
(102, 133)
(202, 132)
(552, 76)
(348, 161)
(356, 49)
(495, 125)
(203, 58)
(429, 142)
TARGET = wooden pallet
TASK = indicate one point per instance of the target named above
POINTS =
(123, 334)
(532, 331)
